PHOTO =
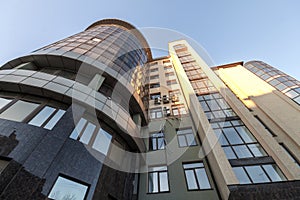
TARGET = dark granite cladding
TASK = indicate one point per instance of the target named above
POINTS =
(20, 184)
(7, 144)
(118, 185)
(38, 156)
(280, 190)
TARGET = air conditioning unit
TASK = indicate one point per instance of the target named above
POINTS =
(165, 99)
(167, 111)
(157, 101)
(175, 98)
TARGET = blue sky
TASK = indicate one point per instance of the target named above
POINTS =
(230, 31)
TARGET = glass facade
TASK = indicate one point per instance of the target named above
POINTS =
(279, 80)
(235, 138)
(34, 113)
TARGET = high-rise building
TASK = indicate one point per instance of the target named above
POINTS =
(95, 116)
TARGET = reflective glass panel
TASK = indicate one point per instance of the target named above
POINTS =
(19, 111)
(42, 116)
(274, 173)
(58, 115)
(66, 189)
(241, 175)
(257, 174)
(102, 141)
(77, 130)
(87, 134)
(4, 102)
(202, 178)
(191, 180)
(163, 181)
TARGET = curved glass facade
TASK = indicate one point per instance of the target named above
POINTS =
(49, 128)
(279, 80)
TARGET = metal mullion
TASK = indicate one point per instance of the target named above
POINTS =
(34, 112)
(266, 173)
(158, 180)
(232, 151)
(186, 143)
(83, 129)
(249, 177)
(195, 174)
(94, 135)
(251, 151)
(225, 137)
(13, 101)
(240, 135)
(50, 117)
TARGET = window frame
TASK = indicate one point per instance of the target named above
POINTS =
(152, 110)
(70, 178)
(195, 176)
(96, 131)
(151, 138)
(185, 138)
(158, 179)
(250, 178)
(42, 103)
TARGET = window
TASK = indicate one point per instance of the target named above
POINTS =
(166, 62)
(155, 95)
(157, 141)
(186, 59)
(154, 77)
(178, 110)
(168, 67)
(85, 131)
(203, 86)
(171, 82)
(215, 107)
(195, 176)
(158, 179)
(47, 117)
(154, 69)
(258, 174)
(186, 137)
(169, 74)
(102, 141)
(154, 63)
(19, 110)
(237, 141)
(174, 93)
(155, 113)
(4, 102)
(68, 189)
(154, 85)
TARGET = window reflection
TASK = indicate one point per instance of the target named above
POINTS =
(19, 111)
(258, 174)
(85, 132)
(42, 116)
(47, 117)
(186, 137)
(67, 189)
(4, 102)
(158, 179)
(196, 176)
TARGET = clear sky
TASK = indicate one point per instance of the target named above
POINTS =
(230, 30)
